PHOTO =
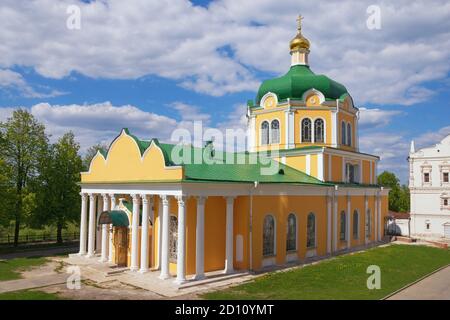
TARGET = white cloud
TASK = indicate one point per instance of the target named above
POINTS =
(11, 80)
(190, 112)
(428, 139)
(177, 40)
(375, 117)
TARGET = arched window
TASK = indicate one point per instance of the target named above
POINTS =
(343, 135)
(291, 237)
(269, 236)
(173, 239)
(275, 131)
(368, 224)
(355, 224)
(349, 134)
(311, 231)
(343, 226)
(306, 130)
(265, 133)
(319, 130)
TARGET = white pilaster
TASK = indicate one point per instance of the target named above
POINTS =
(334, 128)
(135, 233)
(349, 214)
(181, 253)
(112, 197)
(91, 235)
(105, 232)
(83, 224)
(335, 220)
(366, 207)
(308, 164)
(160, 220)
(165, 239)
(251, 133)
(379, 217)
(329, 199)
(229, 236)
(320, 167)
(200, 240)
(146, 202)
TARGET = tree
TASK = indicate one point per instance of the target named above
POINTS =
(90, 154)
(398, 195)
(22, 145)
(58, 189)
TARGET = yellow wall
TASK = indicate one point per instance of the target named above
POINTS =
(124, 163)
(260, 118)
(313, 115)
(341, 116)
(336, 168)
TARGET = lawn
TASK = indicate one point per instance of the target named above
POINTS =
(10, 269)
(28, 295)
(344, 277)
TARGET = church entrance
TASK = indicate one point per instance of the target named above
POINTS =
(121, 246)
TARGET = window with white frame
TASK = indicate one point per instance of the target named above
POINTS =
(352, 173)
(275, 131)
(319, 131)
(349, 134)
(355, 224)
(445, 201)
(306, 130)
(343, 229)
(343, 133)
(269, 236)
(291, 237)
(265, 133)
(311, 230)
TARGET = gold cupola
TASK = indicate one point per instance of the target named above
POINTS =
(299, 46)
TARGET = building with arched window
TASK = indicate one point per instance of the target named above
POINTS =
(161, 210)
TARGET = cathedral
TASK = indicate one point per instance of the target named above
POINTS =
(145, 210)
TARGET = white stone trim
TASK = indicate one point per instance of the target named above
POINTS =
(308, 164)
(320, 167)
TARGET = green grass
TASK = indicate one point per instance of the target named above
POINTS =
(10, 269)
(28, 295)
(344, 277)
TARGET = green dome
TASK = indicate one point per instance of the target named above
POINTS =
(297, 81)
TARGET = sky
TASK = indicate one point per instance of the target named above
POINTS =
(155, 66)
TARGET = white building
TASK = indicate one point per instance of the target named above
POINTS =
(430, 190)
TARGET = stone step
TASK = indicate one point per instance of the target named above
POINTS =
(212, 279)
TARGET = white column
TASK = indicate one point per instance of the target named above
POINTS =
(349, 214)
(83, 224)
(146, 202)
(229, 236)
(165, 239)
(112, 197)
(91, 235)
(329, 199)
(181, 254)
(200, 240)
(105, 230)
(160, 220)
(135, 233)
(379, 220)
(335, 221)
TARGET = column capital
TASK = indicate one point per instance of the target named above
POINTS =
(164, 199)
(146, 198)
(83, 196)
(112, 195)
(230, 199)
(105, 195)
(201, 200)
(92, 196)
(136, 197)
(181, 200)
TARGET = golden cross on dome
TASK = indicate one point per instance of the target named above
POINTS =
(299, 22)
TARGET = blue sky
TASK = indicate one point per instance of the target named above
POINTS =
(154, 66)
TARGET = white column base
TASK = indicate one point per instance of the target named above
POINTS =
(143, 270)
(164, 276)
(199, 277)
(180, 281)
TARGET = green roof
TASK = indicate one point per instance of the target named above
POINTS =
(220, 171)
(297, 81)
(117, 218)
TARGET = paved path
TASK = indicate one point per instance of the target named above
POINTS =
(23, 284)
(434, 287)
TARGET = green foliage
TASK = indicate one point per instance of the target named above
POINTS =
(11, 269)
(398, 195)
(344, 277)
(23, 142)
(90, 153)
(28, 295)
(58, 191)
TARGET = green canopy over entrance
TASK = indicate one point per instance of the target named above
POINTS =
(117, 218)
